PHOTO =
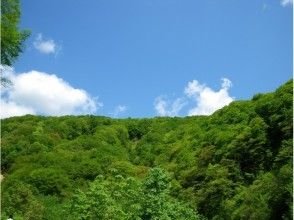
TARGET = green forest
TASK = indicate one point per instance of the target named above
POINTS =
(234, 164)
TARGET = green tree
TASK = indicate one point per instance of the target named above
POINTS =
(12, 38)
(126, 198)
(253, 202)
(114, 198)
(157, 204)
(49, 181)
(19, 200)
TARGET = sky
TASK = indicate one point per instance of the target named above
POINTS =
(148, 58)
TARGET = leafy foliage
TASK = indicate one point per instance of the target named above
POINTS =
(127, 198)
(234, 164)
(11, 37)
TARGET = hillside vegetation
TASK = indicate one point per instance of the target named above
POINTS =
(234, 164)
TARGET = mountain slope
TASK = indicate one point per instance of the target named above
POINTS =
(234, 164)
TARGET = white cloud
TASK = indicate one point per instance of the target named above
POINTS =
(285, 3)
(41, 93)
(119, 110)
(164, 107)
(226, 84)
(207, 100)
(45, 46)
(9, 109)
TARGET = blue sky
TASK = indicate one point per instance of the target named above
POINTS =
(140, 57)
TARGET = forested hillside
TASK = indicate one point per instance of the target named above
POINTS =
(234, 164)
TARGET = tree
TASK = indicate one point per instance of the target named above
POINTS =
(19, 201)
(127, 198)
(12, 38)
(253, 202)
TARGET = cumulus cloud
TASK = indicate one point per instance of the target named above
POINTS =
(10, 108)
(37, 92)
(165, 107)
(205, 100)
(119, 110)
(285, 3)
(45, 46)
